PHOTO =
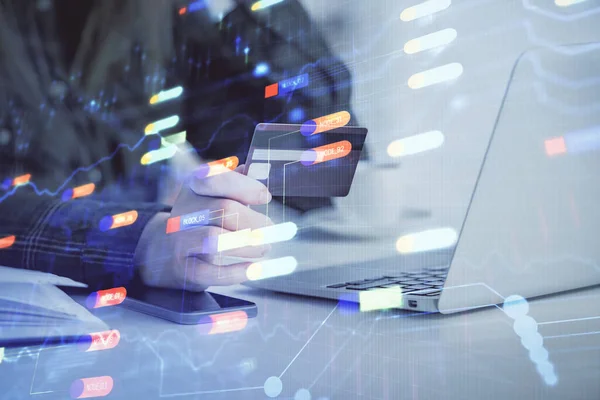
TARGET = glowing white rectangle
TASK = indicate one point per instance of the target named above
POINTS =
(380, 299)
(259, 171)
(567, 3)
(166, 95)
(435, 75)
(161, 125)
(433, 40)
(416, 144)
(158, 155)
(271, 268)
(429, 240)
(233, 240)
(273, 234)
(261, 5)
(256, 237)
(276, 155)
(424, 9)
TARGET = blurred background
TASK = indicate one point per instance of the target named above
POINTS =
(485, 37)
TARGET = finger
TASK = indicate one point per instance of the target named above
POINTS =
(240, 169)
(234, 216)
(232, 185)
(212, 275)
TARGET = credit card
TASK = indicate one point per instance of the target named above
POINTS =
(293, 164)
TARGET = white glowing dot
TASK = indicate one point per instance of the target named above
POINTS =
(545, 368)
(427, 42)
(525, 326)
(302, 394)
(273, 386)
(424, 9)
(551, 379)
(415, 144)
(532, 341)
(538, 355)
(435, 75)
(515, 306)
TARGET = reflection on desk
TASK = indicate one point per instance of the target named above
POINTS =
(302, 348)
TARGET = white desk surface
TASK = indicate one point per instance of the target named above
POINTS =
(335, 354)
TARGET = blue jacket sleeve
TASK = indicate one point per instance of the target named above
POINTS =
(65, 238)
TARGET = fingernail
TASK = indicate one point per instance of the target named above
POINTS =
(265, 196)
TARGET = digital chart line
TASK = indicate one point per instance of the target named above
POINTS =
(308, 341)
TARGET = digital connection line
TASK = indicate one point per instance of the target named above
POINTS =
(308, 341)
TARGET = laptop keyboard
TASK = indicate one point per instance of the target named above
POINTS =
(427, 282)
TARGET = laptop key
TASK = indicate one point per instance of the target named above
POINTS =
(337, 285)
(392, 285)
(429, 279)
(356, 282)
(437, 269)
(426, 292)
(421, 275)
(364, 286)
(410, 282)
(405, 291)
(417, 287)
(363, 281)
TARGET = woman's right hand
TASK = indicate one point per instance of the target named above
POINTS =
(181, 259)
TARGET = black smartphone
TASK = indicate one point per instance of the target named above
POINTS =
(188, 308)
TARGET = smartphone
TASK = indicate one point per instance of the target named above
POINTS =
(184, 307)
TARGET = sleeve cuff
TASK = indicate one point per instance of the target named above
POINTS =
(99, 241)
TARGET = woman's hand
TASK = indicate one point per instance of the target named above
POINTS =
(180, 259)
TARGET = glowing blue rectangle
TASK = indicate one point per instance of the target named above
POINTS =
(584, 140)
(198, 5)
(291, 84)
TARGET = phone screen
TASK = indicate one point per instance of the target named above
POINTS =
(184, 307)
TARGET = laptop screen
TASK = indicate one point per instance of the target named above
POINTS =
(532, 225)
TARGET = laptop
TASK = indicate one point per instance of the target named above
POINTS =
(531, 227)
